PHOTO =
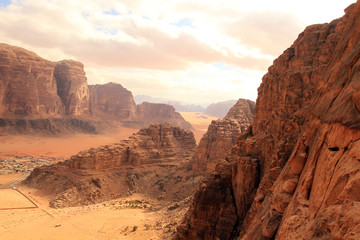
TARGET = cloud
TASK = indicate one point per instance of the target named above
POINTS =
(269, 32)
(124, 39)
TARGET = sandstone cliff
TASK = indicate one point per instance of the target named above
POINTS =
(151, 162)
(72, 87)
(27, 85)
(221, 136)
(37, 91)
(112, 101)
(294, 174)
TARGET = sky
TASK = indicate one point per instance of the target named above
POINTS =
(193, 51)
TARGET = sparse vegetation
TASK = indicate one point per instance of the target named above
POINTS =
(148, 226)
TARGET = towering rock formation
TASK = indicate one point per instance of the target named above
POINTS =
(112, 101)
(295, 173)
(72, 87)
(149, 162)
(221, 136)
(39, 96)
(27, 85)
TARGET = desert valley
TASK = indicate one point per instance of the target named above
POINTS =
(93, 161)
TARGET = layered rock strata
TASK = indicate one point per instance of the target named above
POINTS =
(151, 162)
(221, 136)
(295, 173)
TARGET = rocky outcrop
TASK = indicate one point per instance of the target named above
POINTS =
(219, 109)
(151, 162)
(158, 113)
(295, 172)
(27, 85)
(221, 136)
(156, 144)
(72, 87)
(112, 101)
(39, 90)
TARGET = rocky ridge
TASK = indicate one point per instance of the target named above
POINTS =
(221, 136)
(294, 174)
(152, 162)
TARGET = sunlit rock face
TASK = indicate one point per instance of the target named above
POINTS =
(27, 85)
(34, 92)
(295, 173)
(151, 162)
(72, 87)
(112, 101)
(221, 136)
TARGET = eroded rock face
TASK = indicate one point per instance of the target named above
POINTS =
(151, 162)
(72, 87)
(39, 90)
(27, 85)
(221, 136)
(303, 143)
(156, 144)
(112, 101)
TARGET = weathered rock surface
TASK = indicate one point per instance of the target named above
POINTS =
(221, 136)
(219, 109)
(27, 85)
(151, 162)
(112, 101)
(72, 87)
(295, 173)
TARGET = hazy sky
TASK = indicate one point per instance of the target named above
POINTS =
(195, 51)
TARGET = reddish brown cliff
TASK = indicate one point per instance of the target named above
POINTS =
(37, 91)
(295, 173)
(221, 136)
(112, 101)
(151, 162)
(72, 87)
(27, 85)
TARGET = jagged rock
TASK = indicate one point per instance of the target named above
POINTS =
(156, 144)
(151, 162)
(221, 136)
(305, 137)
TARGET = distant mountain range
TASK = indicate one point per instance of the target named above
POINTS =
(218, 109)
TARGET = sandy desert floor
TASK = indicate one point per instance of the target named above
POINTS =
(19, 219)
(199, 121)
(63, 146)
(107, 220)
